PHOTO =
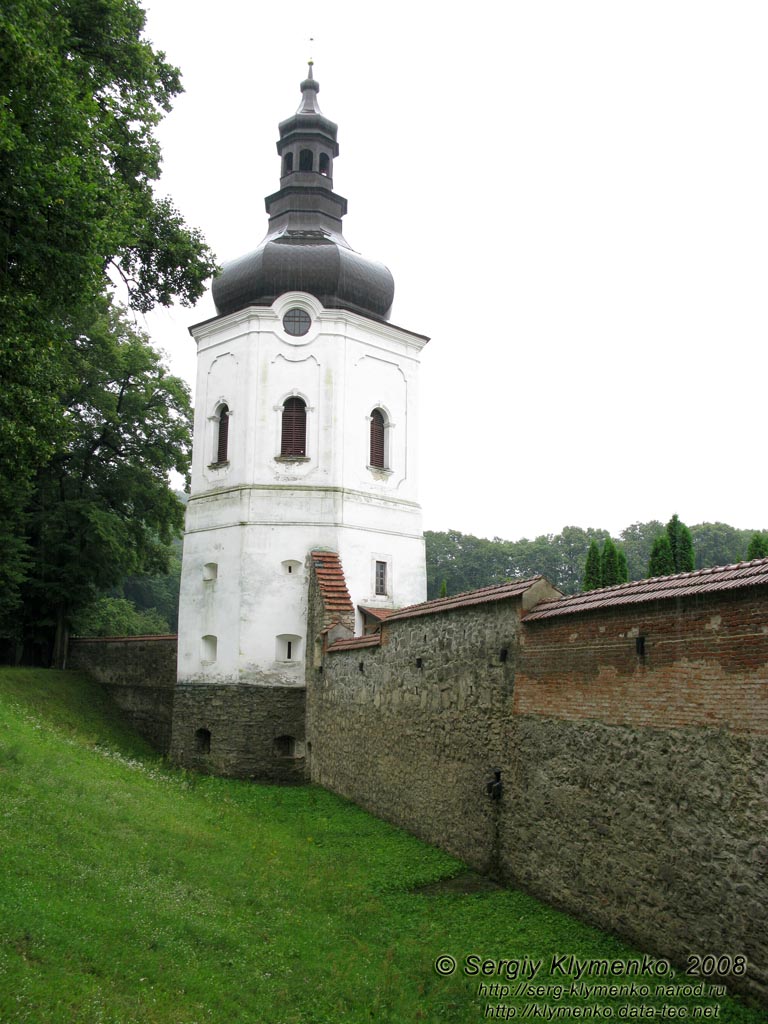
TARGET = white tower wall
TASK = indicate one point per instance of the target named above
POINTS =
(256, 517)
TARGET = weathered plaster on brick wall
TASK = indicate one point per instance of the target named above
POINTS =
(705, 663)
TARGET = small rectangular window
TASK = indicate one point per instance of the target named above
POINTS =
(289, 650)
(381, 578)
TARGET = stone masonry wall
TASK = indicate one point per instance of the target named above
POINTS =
(248, 728)
(635, 780)
(139, 673)
(416, 743)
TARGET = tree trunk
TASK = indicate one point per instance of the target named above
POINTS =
(59, 656)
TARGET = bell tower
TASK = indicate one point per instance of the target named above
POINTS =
(305, 439)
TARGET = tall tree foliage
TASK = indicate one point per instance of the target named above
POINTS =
(81, 92)
(101, 509)
(758, 546)
(636, 542)
(662, 561)
(609, 564)
(605, 568)
(718, 544)
(467, 562)
(593, 573)
(681, 543)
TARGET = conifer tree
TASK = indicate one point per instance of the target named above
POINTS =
(609, 564)
(623, 567)
(758, 546)
(681, 543)
(661, 563)
(593, 574)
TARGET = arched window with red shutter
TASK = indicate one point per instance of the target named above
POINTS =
(293, 443)
(378, 439)
(222, 435)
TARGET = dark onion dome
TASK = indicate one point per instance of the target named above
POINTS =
(304, 249)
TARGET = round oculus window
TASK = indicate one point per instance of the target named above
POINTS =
(296, 322)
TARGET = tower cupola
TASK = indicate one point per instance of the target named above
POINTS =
(304, 248)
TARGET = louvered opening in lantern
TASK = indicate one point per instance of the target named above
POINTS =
(294, 432)
(222, 441)
(377, 439)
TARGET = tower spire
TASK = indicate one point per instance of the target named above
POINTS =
(304, 248)
(309, 90)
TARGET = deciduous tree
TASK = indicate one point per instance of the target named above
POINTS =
(81, 91)
(758, 546)
(102, 508)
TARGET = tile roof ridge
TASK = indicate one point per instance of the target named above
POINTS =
(708, 570)
(435, 603)
(709, 579)
(331, 579)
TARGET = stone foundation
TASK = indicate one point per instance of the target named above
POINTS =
(241, 731)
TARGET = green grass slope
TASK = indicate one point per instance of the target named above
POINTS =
(132, 893)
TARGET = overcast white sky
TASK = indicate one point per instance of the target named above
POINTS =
(572, 196)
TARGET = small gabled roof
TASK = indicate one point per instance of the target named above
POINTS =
(379, 614)
(330, 579)
(497, 592)
(659, 588)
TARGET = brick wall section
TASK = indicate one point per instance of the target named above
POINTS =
(244, 721)
(704, 664)
(139, 674)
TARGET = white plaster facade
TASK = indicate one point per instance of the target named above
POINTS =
(252, 520)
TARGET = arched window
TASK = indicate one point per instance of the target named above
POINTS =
(325, 164)
(287, 163)
(285, 746)
(378, 429)
(294, 434)
(305, 160)
(209, 649)
(222, 434)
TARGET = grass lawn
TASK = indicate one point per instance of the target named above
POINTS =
(132, 893)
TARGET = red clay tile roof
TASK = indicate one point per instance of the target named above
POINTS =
(354, 643)
(377, 613)
(484, 595)
(330, 578)
(704, 581)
